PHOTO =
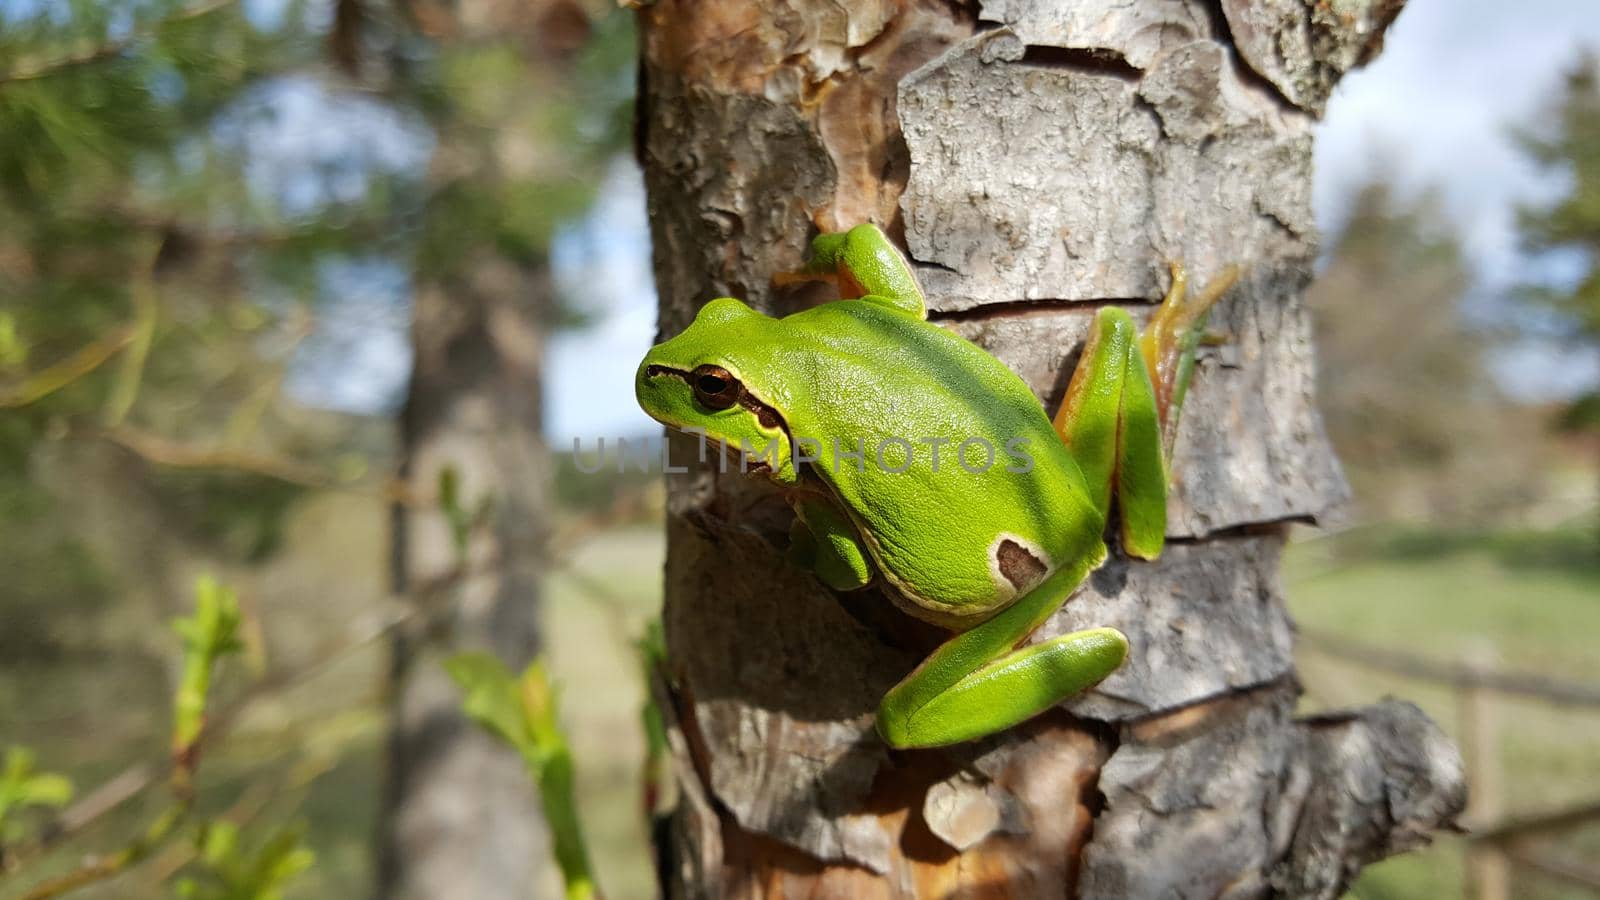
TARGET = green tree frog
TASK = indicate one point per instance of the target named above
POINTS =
(915, 459)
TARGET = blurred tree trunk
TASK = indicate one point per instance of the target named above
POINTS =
(1035, 159)
(462, 818)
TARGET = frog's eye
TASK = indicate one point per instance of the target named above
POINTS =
(714, 387)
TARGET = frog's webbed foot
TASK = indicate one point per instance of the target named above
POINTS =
(863, 264)
(1169, 341)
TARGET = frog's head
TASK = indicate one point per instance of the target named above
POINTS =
(717, 377)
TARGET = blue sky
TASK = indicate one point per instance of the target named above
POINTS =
(1436, 109)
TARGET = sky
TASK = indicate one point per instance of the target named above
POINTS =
(1436, 109)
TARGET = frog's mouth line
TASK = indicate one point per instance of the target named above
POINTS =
(766, 415)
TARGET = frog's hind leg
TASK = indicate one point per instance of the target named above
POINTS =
(1110, 421)
(978, 682)
(1121, 408)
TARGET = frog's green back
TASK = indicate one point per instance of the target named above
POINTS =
(958, 542)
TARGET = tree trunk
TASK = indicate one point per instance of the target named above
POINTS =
(1036, 159)
(461, 817)
(511, 161)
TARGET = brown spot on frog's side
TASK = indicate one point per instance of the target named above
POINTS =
(1019, 565)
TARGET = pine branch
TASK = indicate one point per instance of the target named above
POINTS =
(89, 53)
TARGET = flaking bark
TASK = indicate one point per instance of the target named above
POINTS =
(1036, 159)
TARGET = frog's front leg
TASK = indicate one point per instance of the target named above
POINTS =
(864, 264)
(978, 682)
(1120, 414)
(824, 540)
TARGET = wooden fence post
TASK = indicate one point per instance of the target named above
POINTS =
(1488, 870)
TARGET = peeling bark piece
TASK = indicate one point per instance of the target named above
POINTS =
(1303, 47)
(1380, 782)
(1082, 184)
(1135, 32)
(780, 51)
(1048, 199)
(1234, 799)
(857, 123)
(1186, 802)
(961, 811)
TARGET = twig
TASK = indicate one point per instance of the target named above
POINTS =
(121, 788)
(50, 379)
(365, 227)
(109, 866)
(163, 451)
(146, 310)
(1550, 690)
(257, 797)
